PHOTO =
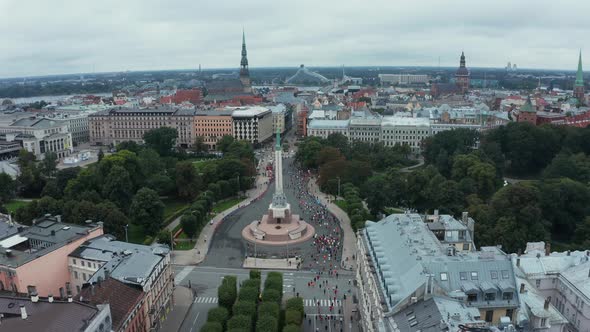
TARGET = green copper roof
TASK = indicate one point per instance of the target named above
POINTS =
(580, 73)
(278, 145)
(528, 106)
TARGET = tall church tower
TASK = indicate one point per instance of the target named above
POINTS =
(579, 84)
(462, 76)
(244, 72)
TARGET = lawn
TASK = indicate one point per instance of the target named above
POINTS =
(226, 204)
(13, 205)
(341, 204)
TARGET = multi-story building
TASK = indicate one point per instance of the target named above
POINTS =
(35, 259)
(213, 125)
(323, 128)
(130, 124)
(34, 314)
(364, 128)
(77, 125)
(253, 124)
(127, 303)
(527, 112)
(145, 267)
(405, 131)
(401, 262)
(450, 231)
(301, 114)
(40, 135)
(561, 277)
(279, 118)
(403, 79)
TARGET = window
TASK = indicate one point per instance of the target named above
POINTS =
(472, 297)
(543, 322)
(75, 262)
(84, 276)
(490, 296)
(489, 316)
(463, 275)
(82, 262)
(504, 274)
(509, 313)
(507, 296)
(538, 283)
(75, 274)
(444, 276)
(473, 275)
(465, 246)
(494, 274)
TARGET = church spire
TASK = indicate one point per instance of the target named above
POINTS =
(462, 62)
(244, 61)
(579, 73)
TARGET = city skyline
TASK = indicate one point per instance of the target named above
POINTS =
(143, 35)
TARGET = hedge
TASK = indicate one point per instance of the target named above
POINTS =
(295, 303)
(267, 323)
(245, 308)
(249, 294)
(269, 308)
(239, 322)
(255, 274)
(212, 327)
(292, 328)
(251, 283)
(293, 317)
(218, 314)
(271, 295)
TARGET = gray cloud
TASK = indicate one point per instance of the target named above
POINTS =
(68, 36)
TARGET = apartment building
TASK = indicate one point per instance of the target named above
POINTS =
(403, 79)
(401, 262)
(144, 267)
(561, 277)
(26, 253)
(213, 125)
(323, 128)
(279, 118)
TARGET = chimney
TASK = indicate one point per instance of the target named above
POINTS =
(50, 298)
(465, 217)
(58, 217)
(70, 299)
(547, 249)
(546, 305)
(522, 288)
(518, 262)
(34, 297)
(23, 312)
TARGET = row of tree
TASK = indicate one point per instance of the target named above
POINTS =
(126, 186)
(249, 310)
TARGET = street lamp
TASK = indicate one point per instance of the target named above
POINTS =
(126, 236)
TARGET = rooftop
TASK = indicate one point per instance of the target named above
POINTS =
(327, 124)
(58, 316)
(37, 123)
(127, 262)
(403, 121)
(46, 235)
(121, 297)
(248, 111)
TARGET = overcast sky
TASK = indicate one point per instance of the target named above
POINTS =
(41, 37)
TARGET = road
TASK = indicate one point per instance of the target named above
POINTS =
(205, 280)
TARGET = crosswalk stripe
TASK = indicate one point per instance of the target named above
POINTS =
(323, 303)
(206, 300)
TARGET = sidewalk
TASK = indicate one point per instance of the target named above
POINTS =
(349, 239)
(268, 263)
(183, 299)
(199, 252)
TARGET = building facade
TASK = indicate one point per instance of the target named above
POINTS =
(40, 135)
(253, 124)
(145, 267)
(323, 128)
(42, 250)
(213, 125)
(403, 79)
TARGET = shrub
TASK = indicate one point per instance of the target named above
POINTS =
(249, 294)
(239, 322)
(269, 308)
(271, 295)
(295, 303)
(227, 292)
(292, 328)
(293, 317)
(212, 327)
(245, 308)
(255, 283)
(255, 274)
(267, 323)
(218, 314)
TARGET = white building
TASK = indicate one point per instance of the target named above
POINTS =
(561, 277)
(323, 128)
(39, 135)
(405, 131)
(77, 124)
(403, 79)
(364, 129)
(254, 123)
